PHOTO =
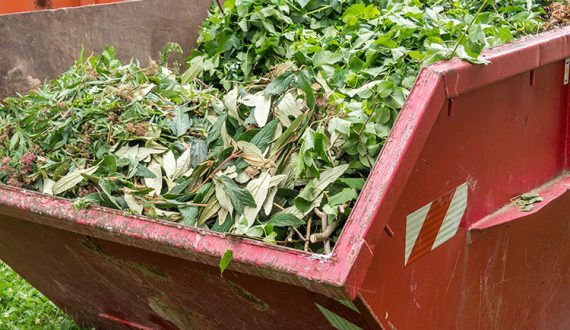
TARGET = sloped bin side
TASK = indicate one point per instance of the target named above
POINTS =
(113, 271)
(456, 253)
(40, 45)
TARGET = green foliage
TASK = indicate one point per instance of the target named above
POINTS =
(23, 307)
(277, 118)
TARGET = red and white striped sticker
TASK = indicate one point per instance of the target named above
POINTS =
(434, 223)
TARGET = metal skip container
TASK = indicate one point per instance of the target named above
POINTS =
(433, 241)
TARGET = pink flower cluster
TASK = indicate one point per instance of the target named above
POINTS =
(26, 161)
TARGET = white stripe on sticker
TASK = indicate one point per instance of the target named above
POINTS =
(453, 216)
(414, 223)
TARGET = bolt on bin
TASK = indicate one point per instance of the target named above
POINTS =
(433, 241)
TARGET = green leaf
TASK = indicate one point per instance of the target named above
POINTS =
(239, 197)
(265, 135)
(280, 84)
(225, 261)
(321, 144)
(109, 164)
(189, 215)
(305, 85)
(285, 220)
(356, 183)
(289, 131)
(181, 121)
(325, 57)
(302, 3)
(195, 68)
(144, 172)
(346, 195)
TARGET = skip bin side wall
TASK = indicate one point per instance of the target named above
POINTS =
(40, 45)
(503, 131)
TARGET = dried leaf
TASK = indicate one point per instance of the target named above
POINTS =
(133, 204)
(183, 164)
(169, 164)
(156, 182)
(72, 179)
(258, 189)
(261, 105)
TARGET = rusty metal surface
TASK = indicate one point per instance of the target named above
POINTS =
(40, 45)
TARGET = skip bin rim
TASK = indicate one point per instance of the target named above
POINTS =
(341, 273)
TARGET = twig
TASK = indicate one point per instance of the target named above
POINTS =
(308, 235)
(110, 133)
(324, 226)
(301, 236)
(467, 29)
(197, 204)
(318, 10)
(320, 237)
(220, 6)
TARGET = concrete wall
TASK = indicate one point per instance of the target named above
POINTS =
(36, 46)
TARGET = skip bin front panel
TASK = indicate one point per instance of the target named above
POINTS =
(113, 286)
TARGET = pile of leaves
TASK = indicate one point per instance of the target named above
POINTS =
(271, 129)
(558, 14)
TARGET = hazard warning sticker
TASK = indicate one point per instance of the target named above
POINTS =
(434, 223)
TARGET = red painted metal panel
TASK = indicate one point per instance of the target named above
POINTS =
(505, 133)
